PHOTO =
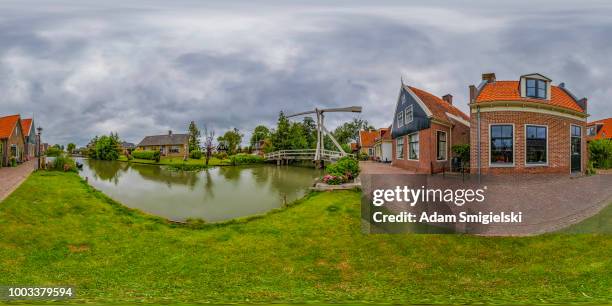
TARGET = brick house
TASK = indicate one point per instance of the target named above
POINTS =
(600, 129)
(12, 141)
(383, 145)
(366, 142)
(526, 126)
(424, 129)
(176, 145)
(27, 127)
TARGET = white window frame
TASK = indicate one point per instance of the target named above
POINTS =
(592, 129)
(397, 154)
(505, 165)
(400, 119)
(547, 156)
(406, 122)
(445, 146)
(418, 155)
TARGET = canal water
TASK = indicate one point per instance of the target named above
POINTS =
(215, 194)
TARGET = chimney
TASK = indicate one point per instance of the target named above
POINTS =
(562, 85)
(169, 132)
(448, 98)
(489, 77)
(473, 91)
(583, 104)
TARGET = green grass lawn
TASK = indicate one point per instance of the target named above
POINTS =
(56, 230)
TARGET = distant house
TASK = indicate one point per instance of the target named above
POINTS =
(366, 142)
(168, 145)
(127, 147)
(27, 126)
(223, 146)
(12, 141)
(600, 129)
(424, 129)
(383, 145)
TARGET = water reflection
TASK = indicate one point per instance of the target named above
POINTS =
(215, 194)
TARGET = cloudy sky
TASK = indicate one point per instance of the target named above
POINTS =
(82, 68)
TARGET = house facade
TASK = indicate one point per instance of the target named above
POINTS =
(600, 129)
(28, 129)
(12, 140)
(366, 142)
(526, 126)
(383, 145)
(424, 129)
(175, 145)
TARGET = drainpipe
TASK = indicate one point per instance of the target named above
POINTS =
(478, 140)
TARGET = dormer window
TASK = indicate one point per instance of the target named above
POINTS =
(536, 88)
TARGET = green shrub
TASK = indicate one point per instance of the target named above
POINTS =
(242, 159)
(54, 151)
(196, 154)
(220, 155)
(63, 163)
(462, 151)
(345, 167)
(13, 161)
(590, 170)
(146, 154)
(331, 179)
(600, 152)
(364, 156)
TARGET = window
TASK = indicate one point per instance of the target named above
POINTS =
(400, 119)
(502, 144)
(174, 149)
(413, 146)
(535, 144)
(371, 151)
(408, 114)
(576, 131)
(399, 148)
(441, 147)
(591, 131)
(536, 88)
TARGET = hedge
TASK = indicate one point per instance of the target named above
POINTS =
(146, 154)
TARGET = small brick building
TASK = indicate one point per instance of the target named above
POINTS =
(424, 129)
(526, 126)
(175, 145)
(12, 140)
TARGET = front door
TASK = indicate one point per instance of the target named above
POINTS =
(576, 143)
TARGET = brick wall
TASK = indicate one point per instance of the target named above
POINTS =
(428, 162)
(558, 141)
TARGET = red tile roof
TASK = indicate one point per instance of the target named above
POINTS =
(439, 107)
(509, 91)
(383, 133)
(605, 131)
(26, 125)
(366, 138)
(7, 125)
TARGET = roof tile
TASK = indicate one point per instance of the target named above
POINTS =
(509, 91)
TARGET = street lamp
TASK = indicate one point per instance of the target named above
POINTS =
(39, 146)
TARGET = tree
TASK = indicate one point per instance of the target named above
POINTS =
(105, 147)
(209, 137)
(297, 138)
(233, 139)
(349, 131)
(310, 132)
(70, 147)
(194, 137)
(280, 137)
(260, 133)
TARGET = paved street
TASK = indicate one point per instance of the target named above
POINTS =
(11, 178)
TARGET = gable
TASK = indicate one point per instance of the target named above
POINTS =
(420, 115)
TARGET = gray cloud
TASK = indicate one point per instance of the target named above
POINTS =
(84, 69)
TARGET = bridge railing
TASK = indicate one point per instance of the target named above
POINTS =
(305, 154)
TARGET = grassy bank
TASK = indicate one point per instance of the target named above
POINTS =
(56, 230)
(175, 161)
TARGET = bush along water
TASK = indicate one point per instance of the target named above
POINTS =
(63, 163)
(146, 154)
(344, 170)
(196, 154)
(243, 159)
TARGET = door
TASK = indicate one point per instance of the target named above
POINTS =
(576, 143)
